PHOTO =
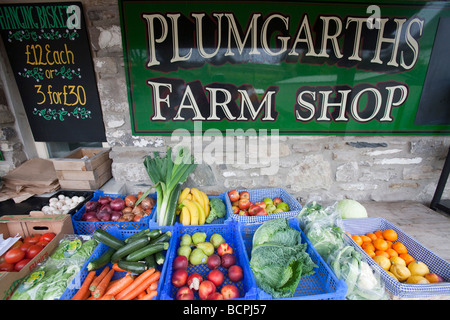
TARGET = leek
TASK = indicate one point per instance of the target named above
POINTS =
(167, 176)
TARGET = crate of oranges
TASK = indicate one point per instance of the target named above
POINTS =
(409, 269)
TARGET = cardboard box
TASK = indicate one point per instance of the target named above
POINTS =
(26, 225)
(84, 168)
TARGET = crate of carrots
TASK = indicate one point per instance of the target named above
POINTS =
(111, 272)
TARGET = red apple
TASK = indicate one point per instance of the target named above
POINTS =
(205, 289)
(194, 280)
(215, 296)
(235, 273)
(276, 201)
(243, 213)
(180, 262)
(179, 277)
(233, 195)
(224, 248)
(244, 195)
(262, 212)
(235, 203)
(235, 209)
(434, 278)
(244, 204)
(213, 261)
(254, 209)
(230, 291)
(216, 276)
(184, 293)
(228, 260)
(262, 204)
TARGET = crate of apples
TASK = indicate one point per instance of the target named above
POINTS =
(243, 205)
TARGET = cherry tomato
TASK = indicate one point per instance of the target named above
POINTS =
(7, 267)
(25, 246)
(14, 255)
(22, 263)
(32, 239)
(42, 243)
(47, 236)
(33, 251)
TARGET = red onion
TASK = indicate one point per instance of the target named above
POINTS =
(117, 204)
(104, 214)
(104, 200)
(116, 215)
(88, 215)
(91, 205)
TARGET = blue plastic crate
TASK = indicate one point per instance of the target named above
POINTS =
(403, 290)
(259, 195)
(322, 285)
(88, 227)
(101, 248)
(230, 232)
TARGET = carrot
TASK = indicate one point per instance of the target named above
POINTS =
(84, 289)
(136, 282)
(152, 287)
(107, 297)
(116, 267)
(149, 296)
(99, 278)
(101, 288)
(140, 295)
(120, 284)
(142, 286)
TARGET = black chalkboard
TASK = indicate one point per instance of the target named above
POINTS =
(434, 105)
(49, 52)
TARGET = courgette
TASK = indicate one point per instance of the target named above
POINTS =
(134, 267)
(159, 257)
(172, 205)
(108, 239)
(165, 237)
(101, 261)
(146, 251)
(150, 261)
(129, 248)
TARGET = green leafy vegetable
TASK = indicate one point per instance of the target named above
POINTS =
(218, 210)
(349, 208)
(167, 176)
(279, 259)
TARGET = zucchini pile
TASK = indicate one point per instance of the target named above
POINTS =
(137, 253)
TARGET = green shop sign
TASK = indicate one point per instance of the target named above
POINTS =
(302, 67)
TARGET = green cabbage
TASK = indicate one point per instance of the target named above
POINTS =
(279, 259)
(349, 209)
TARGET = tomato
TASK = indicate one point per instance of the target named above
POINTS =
(25, 246)
(14, 255)
(32, 239)
(17, 244)
(42, 243)
(22, 263)
(47, 236)
(33, 251)
(7, 267)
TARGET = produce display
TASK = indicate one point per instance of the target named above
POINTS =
(243, 205)
(217, 277)
(51, 278)
(393, 256)
(23, 251)
(62, 204)
(118, 209)
(195, 207)
(278, 258)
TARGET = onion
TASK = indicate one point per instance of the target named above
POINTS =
(127, 210)
(147, 203)
(104, 214)
(117, 204)
(115, 215)
(91, 205)
(130, 200)
(93, 219)
(104, 200)
(87, 215)
(137, 217)
(138, 210)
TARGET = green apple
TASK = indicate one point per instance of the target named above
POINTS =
(268, 201)
(270, 208)
(283, 206)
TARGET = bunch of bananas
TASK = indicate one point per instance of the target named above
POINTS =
(193, 206)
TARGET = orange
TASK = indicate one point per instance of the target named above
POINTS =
(392, 252)
(399, 247)
(380, 244)
(372, 236)
(365, 238)
(382, 253)
(371, 253)
(407, 257)
(379, 234)
(390, 235)
(357, 239)
(368, 246)
(389, 243)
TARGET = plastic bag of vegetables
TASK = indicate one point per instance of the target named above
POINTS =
(362, 281)
(52, 277)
